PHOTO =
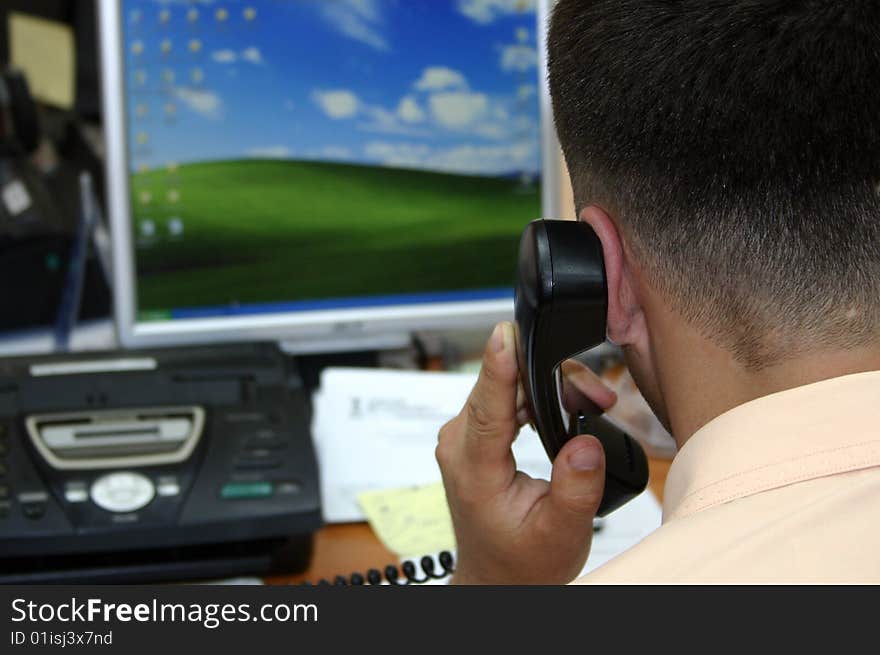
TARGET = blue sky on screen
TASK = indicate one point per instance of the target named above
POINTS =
(447, 85)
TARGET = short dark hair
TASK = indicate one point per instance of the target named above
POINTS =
(738, 144)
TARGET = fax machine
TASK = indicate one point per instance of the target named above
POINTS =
(155, 465)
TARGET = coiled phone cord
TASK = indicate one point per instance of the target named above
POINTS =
(392, 574)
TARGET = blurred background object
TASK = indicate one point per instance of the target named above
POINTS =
(631, 412)
(49, 135)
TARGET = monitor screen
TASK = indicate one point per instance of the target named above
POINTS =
(292, 159)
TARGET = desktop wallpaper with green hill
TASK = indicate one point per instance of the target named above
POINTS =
(297, 150)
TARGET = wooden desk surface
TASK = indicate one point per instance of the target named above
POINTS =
(342, 549)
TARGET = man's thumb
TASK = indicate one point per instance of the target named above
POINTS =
(577, 481)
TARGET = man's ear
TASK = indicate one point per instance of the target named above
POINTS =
(625, 314)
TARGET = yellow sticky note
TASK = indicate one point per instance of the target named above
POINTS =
(45, 51)
(412, 521)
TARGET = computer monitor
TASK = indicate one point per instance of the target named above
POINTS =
(331, 171)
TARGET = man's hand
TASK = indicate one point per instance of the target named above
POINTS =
(510, 528)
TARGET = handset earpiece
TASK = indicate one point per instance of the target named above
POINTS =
(560, 310)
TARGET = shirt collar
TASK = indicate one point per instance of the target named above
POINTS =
(820, 429)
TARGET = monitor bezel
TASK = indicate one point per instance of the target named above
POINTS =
(335, 329)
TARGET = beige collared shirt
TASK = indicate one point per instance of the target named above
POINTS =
(785, 488)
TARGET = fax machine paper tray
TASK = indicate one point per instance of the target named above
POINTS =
(116, 438)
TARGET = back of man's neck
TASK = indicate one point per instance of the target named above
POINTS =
(706, 388)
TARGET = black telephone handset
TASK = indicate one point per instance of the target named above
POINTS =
(561, 308)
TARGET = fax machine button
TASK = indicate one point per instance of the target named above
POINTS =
(122, 492)
(33, 510)
(288, 487)
(76, 492)
(33, 503)
(246, 490)
(167, 485)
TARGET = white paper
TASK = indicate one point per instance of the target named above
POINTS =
(377, 429)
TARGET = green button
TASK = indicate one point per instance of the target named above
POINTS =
(235, 490)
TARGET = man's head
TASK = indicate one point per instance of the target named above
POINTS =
(735, 144)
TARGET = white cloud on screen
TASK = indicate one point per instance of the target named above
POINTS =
(252, 55)
(270, 152)
(338, 103)
(456, 110)
(486, 11)
(397, 154)
(483, 159)
(437, 78)
(525, 91)
(224, 56)
(464, 159)
(359, 20)
(380, 120)
(343, 104)
(496, 125)
(336, 152)
(440, 102)
(409, 111)
(518, 58)
(205, 103)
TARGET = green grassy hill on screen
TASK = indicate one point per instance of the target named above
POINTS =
(270, 230)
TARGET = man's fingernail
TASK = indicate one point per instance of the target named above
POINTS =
(497, 340)
(585, 459)
(509, 336)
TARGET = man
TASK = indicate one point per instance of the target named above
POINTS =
(727, 154)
